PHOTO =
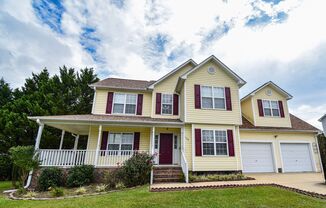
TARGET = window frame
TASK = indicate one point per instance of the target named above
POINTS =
(125, 103)
(121, 133)
(214, 135)
(166, 104)
(271, 109)
(213, 98)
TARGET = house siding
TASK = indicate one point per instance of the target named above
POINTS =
(247, 111)
(277, 137)
(271, 121)
(212, 116)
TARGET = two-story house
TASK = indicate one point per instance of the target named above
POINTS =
(193, 120)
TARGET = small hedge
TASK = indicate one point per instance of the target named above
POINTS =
(50, 177)
(80, 175)
(216, 177)
(6, 167)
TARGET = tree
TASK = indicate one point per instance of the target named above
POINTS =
(322, 151)
(5, 92)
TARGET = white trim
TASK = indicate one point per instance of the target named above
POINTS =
(124, 104)
(213, 98)
(61, 140)
(172, 72)
(94, 101)
(39, 135)
(185, 101)
(193, 146)
(320, 161)
(311, 152)
(89, 137)
(214, 142)
(253, 110)
(240, 153)
(98, 144)
(277, 88)
(172, 150)
(271, 142)
(271, 108)
(234, 149)
(167, 114)
(236, 77)
(76, 142)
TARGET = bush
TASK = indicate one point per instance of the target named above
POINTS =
(56, 191)
(101, 188)
(216, 177)
(112, 178)
(6, 167)
(136, 170)
(21, 191)
(81, 191)
(80, 175)
(50, 177)
(30, 194)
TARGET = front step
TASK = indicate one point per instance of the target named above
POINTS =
(167, 174)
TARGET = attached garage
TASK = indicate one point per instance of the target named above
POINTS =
(257, 157)
(296, 157)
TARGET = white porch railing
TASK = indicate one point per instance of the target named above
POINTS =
(68, 158)
(184, 166)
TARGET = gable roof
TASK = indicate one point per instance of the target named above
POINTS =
(322, 118)
(296, 123)
(236, 77)
(273, 85)
(117, 83)
(190, 61)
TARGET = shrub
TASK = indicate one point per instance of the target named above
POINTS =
(6, 167)
(25, 159)
(56, 191)
(136, 170)
(112, 178)
(100, 188)
(80, 175)
(30, 194)
(216, 177)
(50, 177)
(81, 191)
(120, 185)
(21, 191)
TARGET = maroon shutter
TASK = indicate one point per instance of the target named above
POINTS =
(280, 104)
(109, 103)
(260, 107)
(230, 143)
(175, 104)
(158, 103)
(228, 99)
(140, 104)
(198, 142)
(104, 141)
(136, 140)
(197, 97)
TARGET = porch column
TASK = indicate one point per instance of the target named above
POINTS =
(183, 139)
(152, 141)
(98, 144)
(62, 137)
(39, 134)
(76, 142)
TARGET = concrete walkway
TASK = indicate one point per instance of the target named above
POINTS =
(311, 182)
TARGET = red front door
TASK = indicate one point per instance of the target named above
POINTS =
(166, 143)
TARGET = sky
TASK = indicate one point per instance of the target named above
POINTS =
(261, 40)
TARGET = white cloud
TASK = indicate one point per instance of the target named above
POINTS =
(310, 113)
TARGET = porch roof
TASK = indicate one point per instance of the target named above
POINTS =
(79, 124)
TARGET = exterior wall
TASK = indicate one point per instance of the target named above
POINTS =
(168, 86)
(182, 104)
(212, 163)
(102, 96)
(247, 111)
(212, 116)
(324, 125)
(271, 121)
(270, 136)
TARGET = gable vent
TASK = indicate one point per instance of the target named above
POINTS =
(211, 70)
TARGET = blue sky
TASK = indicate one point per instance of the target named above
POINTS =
(261, 40)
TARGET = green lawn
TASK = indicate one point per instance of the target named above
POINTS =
(141, 197)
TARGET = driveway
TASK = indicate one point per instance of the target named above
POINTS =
(312, 182)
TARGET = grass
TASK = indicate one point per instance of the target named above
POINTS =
(140, 197)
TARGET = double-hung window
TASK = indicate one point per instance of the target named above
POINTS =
(213, 97)
(167, 104)
(214, 142)
(124, 103)
(271, 108)
(120, 142)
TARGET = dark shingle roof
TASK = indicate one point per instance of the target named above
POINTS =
(117, 83)
(297, 125)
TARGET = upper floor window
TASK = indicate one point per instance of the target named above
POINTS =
(167, 104)
(120, 141)
(124, 103)
(214, 142)
(212, 97)
(271, 108)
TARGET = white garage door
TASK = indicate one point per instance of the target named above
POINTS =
(257, 157)
(296, 157)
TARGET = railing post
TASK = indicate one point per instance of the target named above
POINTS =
(98, 145)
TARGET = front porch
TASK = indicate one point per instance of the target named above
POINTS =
(111, 143)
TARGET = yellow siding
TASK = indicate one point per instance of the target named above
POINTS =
(271, 121)
(182, 100)
(246, 109)
(212, 116)
(102, 95)
(212, 163)
(168, 86)
(270, 136)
